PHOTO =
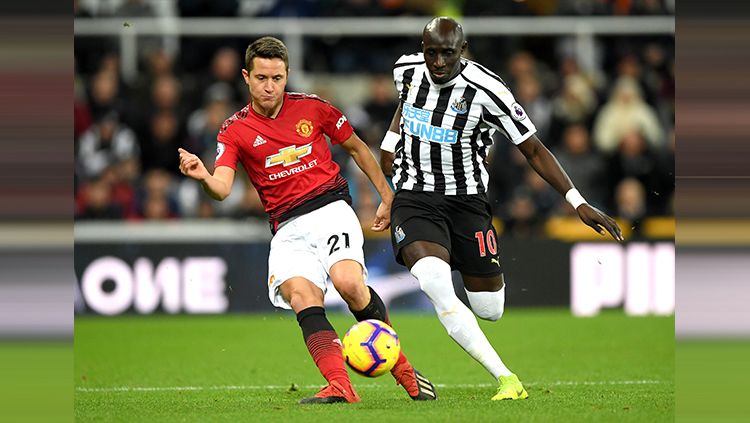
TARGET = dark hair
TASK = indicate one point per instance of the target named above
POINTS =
(266, 48)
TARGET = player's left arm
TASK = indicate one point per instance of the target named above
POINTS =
(366, 161)
(547, 166)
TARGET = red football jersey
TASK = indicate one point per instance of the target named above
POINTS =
(287, 158)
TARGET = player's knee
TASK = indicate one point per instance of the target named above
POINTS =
(300, 293)
(492, 316)
(487, 305)
(352, 290)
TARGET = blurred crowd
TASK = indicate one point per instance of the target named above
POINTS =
(610, 125)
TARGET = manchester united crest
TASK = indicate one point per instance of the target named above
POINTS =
(304, 128)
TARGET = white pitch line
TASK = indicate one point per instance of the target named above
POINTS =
(358, 385)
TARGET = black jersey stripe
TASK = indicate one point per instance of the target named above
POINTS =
(499, 103)
(406, 83)
(488, 116)
(468, 95)
(441, 106)
(424, 89)
(459, 174)
(436, 166)
(415, 146)
(476, 174)
(400, 65)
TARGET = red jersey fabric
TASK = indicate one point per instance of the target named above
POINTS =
(286, 158)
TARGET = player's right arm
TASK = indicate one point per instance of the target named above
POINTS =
(218, 185)
(387, 150)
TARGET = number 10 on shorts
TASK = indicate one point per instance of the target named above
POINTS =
(491, 243)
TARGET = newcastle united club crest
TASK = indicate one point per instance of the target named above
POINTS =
(459, 106)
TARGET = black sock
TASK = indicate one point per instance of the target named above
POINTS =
(375, 309)
(313, 319)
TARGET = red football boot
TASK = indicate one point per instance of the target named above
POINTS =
(332, 393)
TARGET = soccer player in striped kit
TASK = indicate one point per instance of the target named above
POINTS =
(280, 140)
(435, 151)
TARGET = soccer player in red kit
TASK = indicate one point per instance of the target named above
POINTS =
(280, 140)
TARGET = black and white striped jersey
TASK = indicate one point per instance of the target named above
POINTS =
(446, 129)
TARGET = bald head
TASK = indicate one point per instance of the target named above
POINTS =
(442, 44)
(443, 26)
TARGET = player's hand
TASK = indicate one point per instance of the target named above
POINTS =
(192, 166)
(597, 219)
(382, 218)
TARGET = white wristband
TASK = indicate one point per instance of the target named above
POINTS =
(389, 141)
(574, 198)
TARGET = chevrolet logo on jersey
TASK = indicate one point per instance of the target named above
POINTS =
(417, 123)
(289, 155)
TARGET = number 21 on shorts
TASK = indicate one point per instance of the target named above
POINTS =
(490, 244)
(334, 240)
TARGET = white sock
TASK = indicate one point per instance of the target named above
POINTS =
(434, 277)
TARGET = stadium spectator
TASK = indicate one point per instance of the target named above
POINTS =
(506, 166)
(440, 213)
(82, 119)
(105, 143)
(523, 221)
(586, 168)
(104, 94)
(95, 202)
(159, 65)
(529, 93)
(158, 186)
(157, 149)
(203, 124)
(251, 206)
(225, 65)
(623, 113)
(630, 203)
(634, 158)
(574, 105)
(379, 109)
(317, 236)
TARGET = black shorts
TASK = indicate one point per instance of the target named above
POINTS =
(460, 223)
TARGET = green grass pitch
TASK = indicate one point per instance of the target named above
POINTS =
(247, 368)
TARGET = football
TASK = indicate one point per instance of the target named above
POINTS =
(371, 348)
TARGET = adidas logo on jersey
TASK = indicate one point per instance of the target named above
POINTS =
(258, 141)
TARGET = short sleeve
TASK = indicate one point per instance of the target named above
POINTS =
(226, 151)
(335, 124)
(403, 65)
(502, 112)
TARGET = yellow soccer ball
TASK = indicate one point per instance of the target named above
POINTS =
(371, 348)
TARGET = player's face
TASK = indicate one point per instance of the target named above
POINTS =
(442, 54)
(266, 81)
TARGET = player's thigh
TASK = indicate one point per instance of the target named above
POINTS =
(483, 283)
(293, 255)
(475, 243)
(413, 252)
